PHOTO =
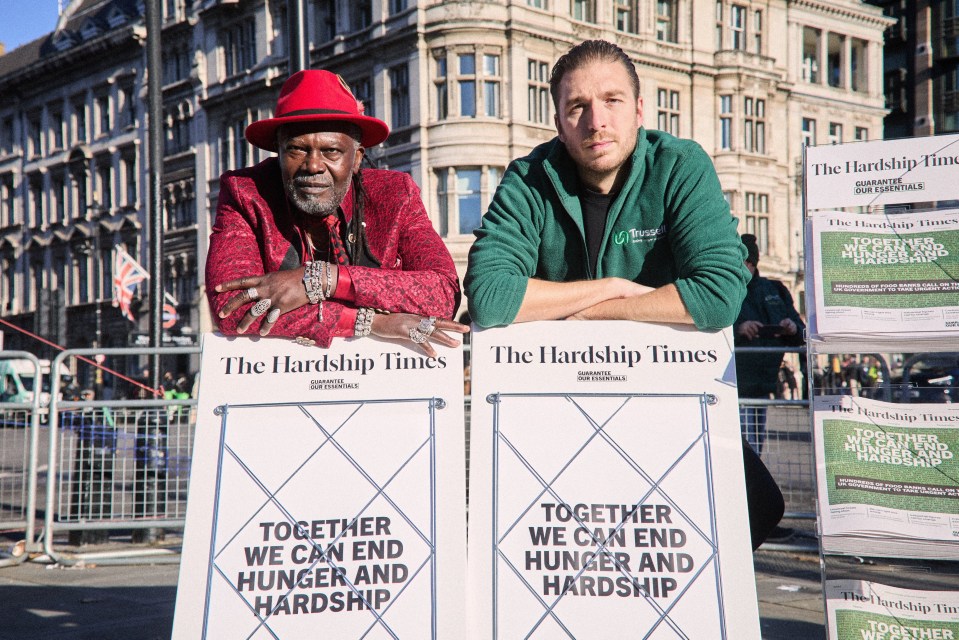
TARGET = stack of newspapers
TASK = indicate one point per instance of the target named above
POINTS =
(887, 477)
(861, 610)
(883, 278)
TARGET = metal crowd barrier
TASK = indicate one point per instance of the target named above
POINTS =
(788, 450)
(19, 447)
(124, 465)
(117, 464)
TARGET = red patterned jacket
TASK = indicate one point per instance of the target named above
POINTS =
(255, 232)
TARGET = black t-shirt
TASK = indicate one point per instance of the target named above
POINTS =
(595, 207)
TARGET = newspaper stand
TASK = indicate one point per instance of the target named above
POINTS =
(916, 594)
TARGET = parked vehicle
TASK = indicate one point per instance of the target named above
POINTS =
(18, 380)
(927, 377)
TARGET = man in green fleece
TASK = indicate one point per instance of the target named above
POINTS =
(610, 221)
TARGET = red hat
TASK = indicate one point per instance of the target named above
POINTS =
(314, 95)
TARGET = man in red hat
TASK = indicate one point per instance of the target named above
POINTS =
(318, 247)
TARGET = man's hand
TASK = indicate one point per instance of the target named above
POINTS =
(749, 329)
(397, 326)
(283, 289)
(546, 300)
(789, 327)
(652, 305)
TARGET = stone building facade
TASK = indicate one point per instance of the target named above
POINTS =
(462, 84)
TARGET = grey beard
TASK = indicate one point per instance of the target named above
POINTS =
(315, 207)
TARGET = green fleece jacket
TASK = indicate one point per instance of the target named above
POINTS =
(668, 224)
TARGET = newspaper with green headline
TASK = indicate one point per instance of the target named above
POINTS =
(887, 477)
(861, 610)
(882, 277)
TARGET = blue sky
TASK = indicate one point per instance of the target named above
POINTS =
(25, 20)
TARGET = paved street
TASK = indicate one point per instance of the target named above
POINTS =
(46, 602)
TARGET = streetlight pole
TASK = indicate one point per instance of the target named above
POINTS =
(154, 211)
(95, 211)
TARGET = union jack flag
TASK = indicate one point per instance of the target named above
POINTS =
(127, 274)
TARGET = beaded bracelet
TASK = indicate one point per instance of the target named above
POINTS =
(313, 281)
(364, 322)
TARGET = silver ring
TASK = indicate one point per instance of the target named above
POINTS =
(427, 326)
(261, 307)
(252, 293)
(417, 336)
(273, 315)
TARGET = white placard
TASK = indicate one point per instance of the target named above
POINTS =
(882, 172)
(326, 493)
(606, 485)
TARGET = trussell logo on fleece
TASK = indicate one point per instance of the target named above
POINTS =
(639, 235)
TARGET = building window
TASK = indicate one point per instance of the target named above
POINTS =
(834, 59)
(666, 29)
(396, 6)
(894, 88)
(239, 47)
(537, 73)
(726, 123)
(6, 136)
(130, 178)
(180, 205)
(758, 33)
(809, 132)
(8, 197)
(128, 110)
(466, 84)
(324, 12)
(667, 103)
(279, 22)
(36, 200)
(173, 10)
(858, 66)
(584, 10)
(810, 54)
(835, 133)
(539, 4)
(491, 85)
(468, 199)
(80, 120)
(105, 184)
(400, 96)
(861, 134)
(178, 138)
(35, 136)
(463, 196)
(719, 25)
(103, 115)
(754, 125)
(757, 218)
(82, 263)
(234, 149)
(361, 14)
(58, 193)
(363, 91)
(737, 26)
(59, 275)
(57, 125)
(8, 284)
(441, 83)
(176, 64)
(627, 12)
